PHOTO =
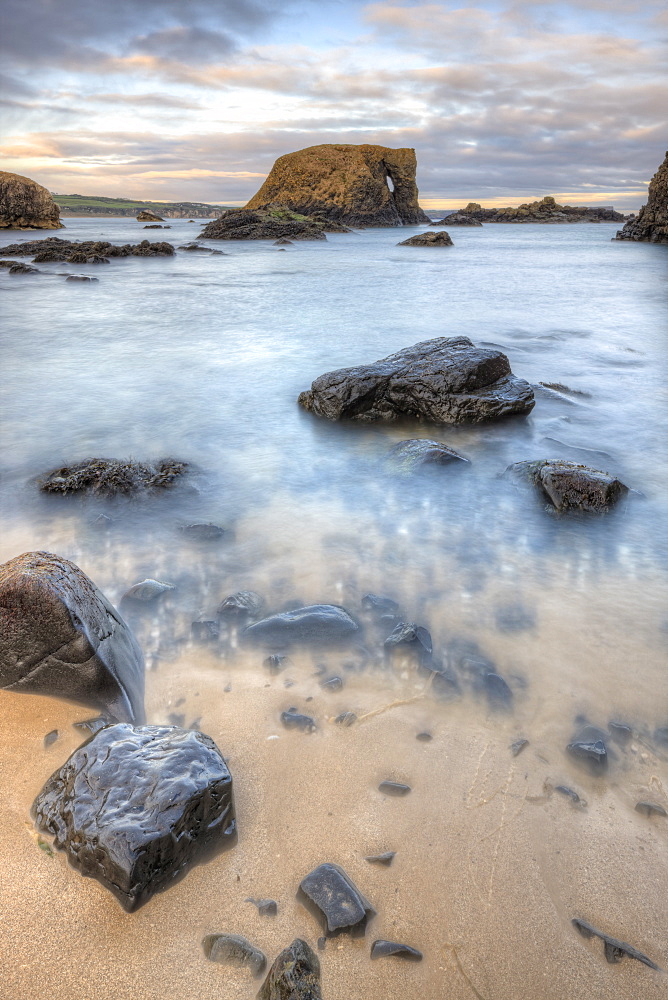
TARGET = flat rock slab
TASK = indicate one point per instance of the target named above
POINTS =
(447, 380)
(383, 949)
(295, 975)
(60, 636)
(133, 807)
(569, 486)
(337, 898)
(235, 950)
(318, 623)
(439, 239)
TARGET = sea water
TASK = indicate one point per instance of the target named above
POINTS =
(200, 357)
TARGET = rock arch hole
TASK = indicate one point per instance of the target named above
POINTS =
(390, 183)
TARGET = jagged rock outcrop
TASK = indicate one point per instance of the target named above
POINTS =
(348, 184)
(458, 219)
(651, 225)
(447, 380)
(25, 204)
(264, 224)
(439, 239)
(60, 636)
(53, 249)
(546, 211)
(134, 807)
(147, 216)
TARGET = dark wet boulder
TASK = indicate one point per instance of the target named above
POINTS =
(265, 907)
(420, 453)
(292, 719)
(336, 897)
(109, 477)
(457, 219)
(439, 239)
(589, 748)
(235, 950)
(394, 788)
(263, 224)
(383, 949)
(134, 807)
(569, 486)
(295, 975)
(650, 809)
(447, 380)
(318, 623)
(60, 636)
(242, 605)
(613, 949)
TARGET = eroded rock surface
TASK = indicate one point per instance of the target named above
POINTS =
(24, 204)
(651, 225)
(447, 380)
(263, 224)
(60, 636)
(134, 806)
(570, 486)
(109, 476)
(295, 975)
(345, 183)
(318, 623)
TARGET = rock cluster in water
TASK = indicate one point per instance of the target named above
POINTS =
(457, 219)
(59, 635)
(264, 224)
(106, 477)
(54, 250)
(651, 225)
(24, 204)
(347, 184)
(134, 807)
(447, 380)
(546, 211)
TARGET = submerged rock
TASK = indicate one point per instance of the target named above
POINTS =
(650, 809)
(109, 477)
(382, 949)
(147, 590)
(569, 486)
(21, 268)
(409, 637)
(589, 748)
(242, 224)
(418, 453)
(345, 719)
(614, 949)
(295, 975)
(203, 531)
(318, 623)
(439, 239)
(457, 219)
(265, 907)
(345, 184)
(80, 277)
(242, 605)
(60, 636)
(205, 630)
(447, 380)
(51, 738)
(518, 746)
(24, 204)
(337, 898)
(235, 950)
(380, 607)
(651, 224)
(135, 806)
(292, 719)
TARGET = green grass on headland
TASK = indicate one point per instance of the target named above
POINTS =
(81, 204)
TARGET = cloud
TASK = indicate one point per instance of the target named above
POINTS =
(182, 44)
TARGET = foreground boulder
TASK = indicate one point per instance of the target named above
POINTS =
(341, 904)
(60, 636)
(146, 216)
(134, 807)
(439, 239)
(108, 477)
(447, 380)
(24, 204)
(318, 623)
(458, 219)
(348, 184)
(569, 486)
(651, 225)
(295, 975)
(273, 224)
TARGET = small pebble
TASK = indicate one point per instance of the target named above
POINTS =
(393, 788)
(232, 949)
(650, 809)
(292, 719)
(424, 737)
(518, 746)
(265, 907)
(50, 737)
(381, 859)
(345, 719)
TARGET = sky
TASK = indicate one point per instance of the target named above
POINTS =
(193, 100)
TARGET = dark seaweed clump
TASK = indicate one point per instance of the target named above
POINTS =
(110, 477)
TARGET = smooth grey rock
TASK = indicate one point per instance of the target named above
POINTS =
(60, 636)
(382, 949)
(396, 788)
(235, 950)
(292, 719)
(650, 809)
(385, 859)
(318, 623)
(147, 590)
(338, 899)
(134, 807)
(295, 975)
(447, 380)
(518, 746)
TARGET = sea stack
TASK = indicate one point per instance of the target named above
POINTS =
(651, 225)
(24, 204)
(355, 185)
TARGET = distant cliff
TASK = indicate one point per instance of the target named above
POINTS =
(354, 185)
(80, 204)
(24, 204)
(651, 225)
(546, 211)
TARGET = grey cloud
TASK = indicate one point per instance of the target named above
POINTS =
(185, 43)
